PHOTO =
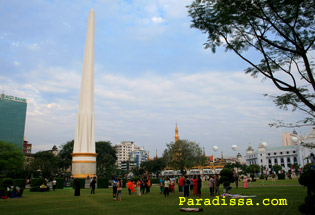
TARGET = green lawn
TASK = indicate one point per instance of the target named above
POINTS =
(64, 201)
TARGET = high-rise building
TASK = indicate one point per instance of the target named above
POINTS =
(127, 150)
(12, 119)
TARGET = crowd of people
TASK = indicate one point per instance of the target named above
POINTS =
(187, 185)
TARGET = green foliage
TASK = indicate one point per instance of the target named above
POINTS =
(11, 159)
(154, 166)
(45, 162)
(36, 182)
(20, 183)
(102, 182)
(60, 183)
(307, 179)
(138, 172)
(277, 168)
(106, 158)
(261, 176)
(64, 155)
(226, 177)
(279, 33)
(6, 182)
(281, 176)
(252, 169)
(183, 155)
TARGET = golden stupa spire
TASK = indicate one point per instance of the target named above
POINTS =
(176, 134)
(156, 155)
(204, 151)
(148, 155)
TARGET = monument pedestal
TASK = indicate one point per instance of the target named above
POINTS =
(83, 165)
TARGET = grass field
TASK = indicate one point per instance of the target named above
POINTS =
(64, 201)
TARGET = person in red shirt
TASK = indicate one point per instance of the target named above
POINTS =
(181, 181)
(133, 186)
(195, 186)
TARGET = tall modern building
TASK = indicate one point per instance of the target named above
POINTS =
(12, 119)
(128, 151)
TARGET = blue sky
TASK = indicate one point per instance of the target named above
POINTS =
(151, 71)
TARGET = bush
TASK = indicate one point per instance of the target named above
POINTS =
(82, 183)
(20, 183)
(6, 182)
(60, 183)
(281, 176)
(102, 182)
(36, 182)
(34, 189)
(155, 181)
(124, 181)
(261, 176)
(226, 177)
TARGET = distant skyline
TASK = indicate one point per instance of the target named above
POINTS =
(151, 72)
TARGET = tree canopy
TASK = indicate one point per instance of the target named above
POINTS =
(154, 166)
(106, 158)
(11, 159)
(275, 37)
(183, 155)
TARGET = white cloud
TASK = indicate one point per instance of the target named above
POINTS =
(157, 20)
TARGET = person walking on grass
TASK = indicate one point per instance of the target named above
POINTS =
(77, 187)
(217, 184)
(138, 187)
(162, 182)
(114, 187)
(245, 182)
(92, 185)
(119, 189)
(186, 186)
(195, 186)
(199, 184)
(167, 187)
(211, 185)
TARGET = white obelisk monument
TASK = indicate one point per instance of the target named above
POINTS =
(84, 156)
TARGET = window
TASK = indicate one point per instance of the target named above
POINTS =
(293, 151)
(269, 154)
(275, 153)
(276, 161)
(288, 160)
(261, 160)
(280, 153)
(269, 161)
(288, 152)
(282, 161)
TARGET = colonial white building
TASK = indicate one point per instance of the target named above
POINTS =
(284, 156)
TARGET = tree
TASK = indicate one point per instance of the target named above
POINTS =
(226, 177)
(64, 155)
(154, 166)
(277, 168)
(280, 33)
(307, 179)
(183, 155)
(46, 163)
(11, 159)
(106, 158)
(252, 169)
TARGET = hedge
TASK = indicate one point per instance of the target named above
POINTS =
(102, 182)
(60, 183)
(281, 176)
(36, 182)
(82, 183)
(5, 182)
(20, 183)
